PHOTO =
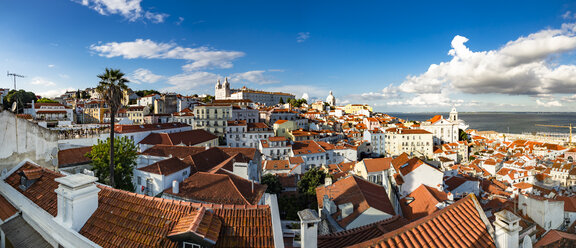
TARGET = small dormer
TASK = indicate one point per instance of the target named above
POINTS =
(29, 177)
(200, 228)
(346, 209)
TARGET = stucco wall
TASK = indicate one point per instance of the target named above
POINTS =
(21, 139)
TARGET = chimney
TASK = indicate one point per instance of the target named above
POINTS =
(77, 200)
(308, 228)
(506, 229)
(327, 181)
(450, 196)
(252, 182)
(175, 187)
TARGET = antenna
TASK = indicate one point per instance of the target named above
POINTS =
(14, 75)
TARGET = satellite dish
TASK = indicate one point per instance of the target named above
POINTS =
(14, 106)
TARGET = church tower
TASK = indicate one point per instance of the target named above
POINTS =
(222, 91)
(453, 114)
(331, 99)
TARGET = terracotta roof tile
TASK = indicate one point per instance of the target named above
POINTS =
(7, 210)
(40, 192)
(361, 193)
(218, 188)
(188, 138)
(73, 156)
(424, 203)
(458, 225)
(166, 166)
(555, 238)
(377, 164)
(361, 234)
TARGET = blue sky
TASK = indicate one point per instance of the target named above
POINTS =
(419, 56)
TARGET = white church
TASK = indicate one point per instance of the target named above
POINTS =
(223, 92)
(445, 130)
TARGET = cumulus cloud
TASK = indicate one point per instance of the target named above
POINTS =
(142, 75)
(129, 9)
(520, 67)
(548, 103)
(53, 93)
(51, 66)
(191, 81)
(313, 92)
(257, 77)
(198, 58)
(302, 36)
(41, 81)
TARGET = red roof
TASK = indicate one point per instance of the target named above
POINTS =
(73, 156)
(555, 238)
(125, 219)
(219, 188)
(424, 203)
(306, 147)
(462, 224)
(6, 209)
(377, 164)
(361, 234)
(188, 138)
(166, 166)
(148, 127)
(361, 193)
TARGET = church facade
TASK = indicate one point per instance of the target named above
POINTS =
(223, 91)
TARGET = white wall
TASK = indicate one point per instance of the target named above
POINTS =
(424, 174)
(549, 214)
(369, 216)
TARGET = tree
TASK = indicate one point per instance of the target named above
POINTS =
(142, 93)
(124, 162)
(274, 186)
(208, 98)
(85, 95)
(308, 184)
(21, 97)
(281, 101)
(463, 135)
(111, 87)
(46, 100)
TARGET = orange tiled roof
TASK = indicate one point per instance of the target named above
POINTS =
(6, 209)
(73, 156)
(42, 191)
(166, 166)
(377, 164)
(188, 138)
(424, 203)
(361, 193)
(458, 225)
(361, 234)
(125, 219)
(555, 238)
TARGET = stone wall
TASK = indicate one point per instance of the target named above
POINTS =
(21, 139)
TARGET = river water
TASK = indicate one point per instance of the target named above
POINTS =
(506, 122)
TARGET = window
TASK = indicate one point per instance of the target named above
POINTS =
(190, 245)
(139, 180)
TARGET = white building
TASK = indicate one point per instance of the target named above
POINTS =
(155, 178)
(417, 142)
(331, 100)
(377, 141)
(147, 100)
(444, 131)
(223, 92)
(274, 148)
(242, 134)
(547, 213)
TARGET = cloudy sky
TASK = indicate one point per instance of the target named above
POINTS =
(421, 56)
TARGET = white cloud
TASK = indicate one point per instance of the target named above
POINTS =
(41, 81)
(313, 92)
(548, 104)
(302, 36)
(129, 9)
(53, 93)
(191, 81)
(568, 15)
(198, 58)
(180, 20)
(518, 68)
(51, 66)
(257, 77)
(142, 75)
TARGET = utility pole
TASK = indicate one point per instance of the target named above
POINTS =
(14, 75)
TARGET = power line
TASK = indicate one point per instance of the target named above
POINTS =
(14, 75)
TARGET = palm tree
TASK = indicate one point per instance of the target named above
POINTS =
(111, 87)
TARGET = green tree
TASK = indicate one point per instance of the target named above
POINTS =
(273, 182)
(111, 87)
(124, 162)
(208, 98)
(463, 135)
(142, 93)
(281, 101)
(310, 181)
(46, 100)
(84, 95)
(21, 97)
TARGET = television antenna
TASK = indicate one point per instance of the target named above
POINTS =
(14, 75)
